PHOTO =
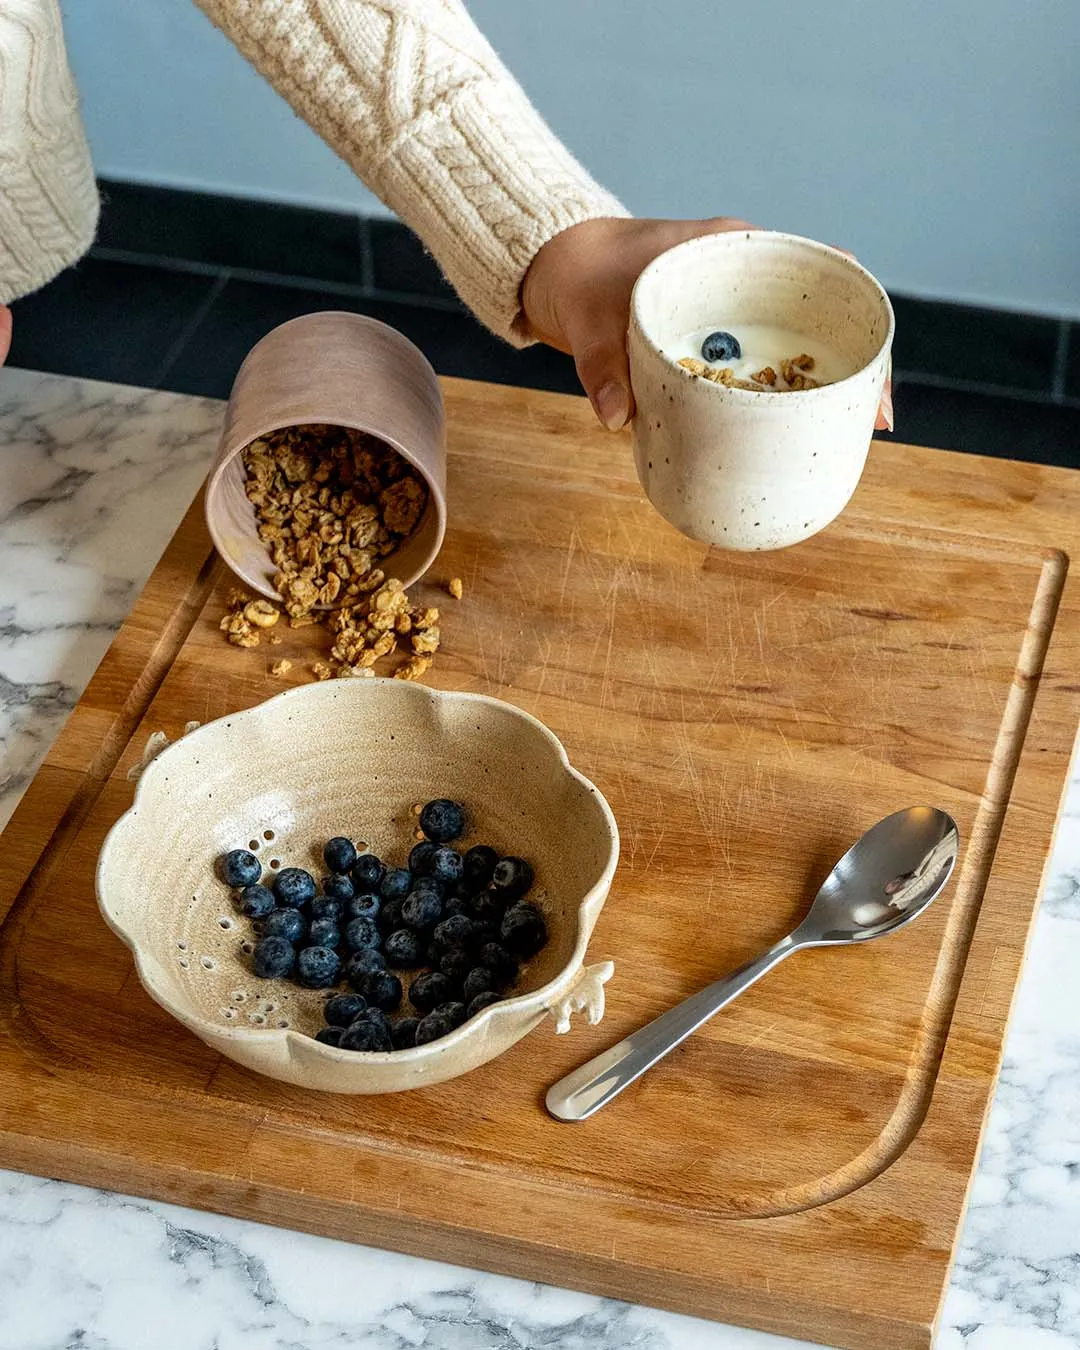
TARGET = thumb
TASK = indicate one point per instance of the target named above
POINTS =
(5, 332)
(599, 351)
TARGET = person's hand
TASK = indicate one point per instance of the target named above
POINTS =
(5, 333)
(576, 298)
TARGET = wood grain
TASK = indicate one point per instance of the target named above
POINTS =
(801, 1164)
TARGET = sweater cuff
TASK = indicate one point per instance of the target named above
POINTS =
(48, 209)
(504, 186)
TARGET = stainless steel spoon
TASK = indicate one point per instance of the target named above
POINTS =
(881, 883)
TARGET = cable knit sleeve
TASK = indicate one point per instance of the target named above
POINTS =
(48, 199)
(414, 99)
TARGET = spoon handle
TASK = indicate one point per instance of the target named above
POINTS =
(587, 1089)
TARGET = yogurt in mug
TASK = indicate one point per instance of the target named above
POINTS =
(765, 345)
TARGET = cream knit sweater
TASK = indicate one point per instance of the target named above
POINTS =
(408, 92)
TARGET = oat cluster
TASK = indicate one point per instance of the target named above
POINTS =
(330, 503)
(793, 375)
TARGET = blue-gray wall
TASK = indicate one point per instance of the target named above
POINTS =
(938, 139)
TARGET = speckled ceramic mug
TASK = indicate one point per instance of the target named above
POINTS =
(737, 468)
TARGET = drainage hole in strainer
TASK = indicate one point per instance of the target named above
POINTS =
(283, 1024)
(361, 846)
(254, 845)
(275, 862)
(183, 963)
(182, 946)
(208, 963)
(268, 835)
(229, 1013)
(225, 922)
(247, 947)
(257, 1018)
(268, 1007)
(239, 995)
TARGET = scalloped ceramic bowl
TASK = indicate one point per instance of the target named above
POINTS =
(349, 757)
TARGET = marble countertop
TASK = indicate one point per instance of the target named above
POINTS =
(94, 478)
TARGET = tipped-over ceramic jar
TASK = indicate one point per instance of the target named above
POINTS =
(336, 369)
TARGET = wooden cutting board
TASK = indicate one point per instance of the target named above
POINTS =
(801, 1164)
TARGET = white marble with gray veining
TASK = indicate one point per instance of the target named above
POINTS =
(93, 480)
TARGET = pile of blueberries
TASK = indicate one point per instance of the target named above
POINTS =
(458, 921)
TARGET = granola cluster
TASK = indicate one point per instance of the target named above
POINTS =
(383, 624)
(330, 503)
(387, 623)
(793, 375)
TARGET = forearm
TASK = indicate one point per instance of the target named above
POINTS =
(415, 100)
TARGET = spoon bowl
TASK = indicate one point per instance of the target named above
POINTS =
(882, 882)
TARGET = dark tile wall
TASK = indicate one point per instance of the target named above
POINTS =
(181, 284)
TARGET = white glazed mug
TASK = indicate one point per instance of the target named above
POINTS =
(736, 468)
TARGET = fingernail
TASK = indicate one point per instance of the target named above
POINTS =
(887, 408)
(612, 405)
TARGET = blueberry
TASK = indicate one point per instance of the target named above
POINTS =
(273, 958)
(455, 964)
(422, 910)
(454, 1012)
(293, 886)
(429, 990)
(721, 346)
(445, 865)
(420, 858)
(390, 919)
(363, 907)
(365, 1035)
(324, 933)
(338, 888)
(402, 948)
(485, 932)
(488, 907)
(289, 924)
(429, 886)
(240, 868)
(368, 872)
(524, 931)
(442, 820)
(361, 964)
(403, 1034)
(325, 907)
(361, 933)
(329, 1035)
(479, 980)
(339, 853)
(498, 960)
(343, 1009)
(377, 1018)
(396, 883)
(457, 904)
(512, 877)
(256, 901)
(381, 989)
(482, 1001)
(432, 1028)
(317, 967)
(478, 865)
(456, 931)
